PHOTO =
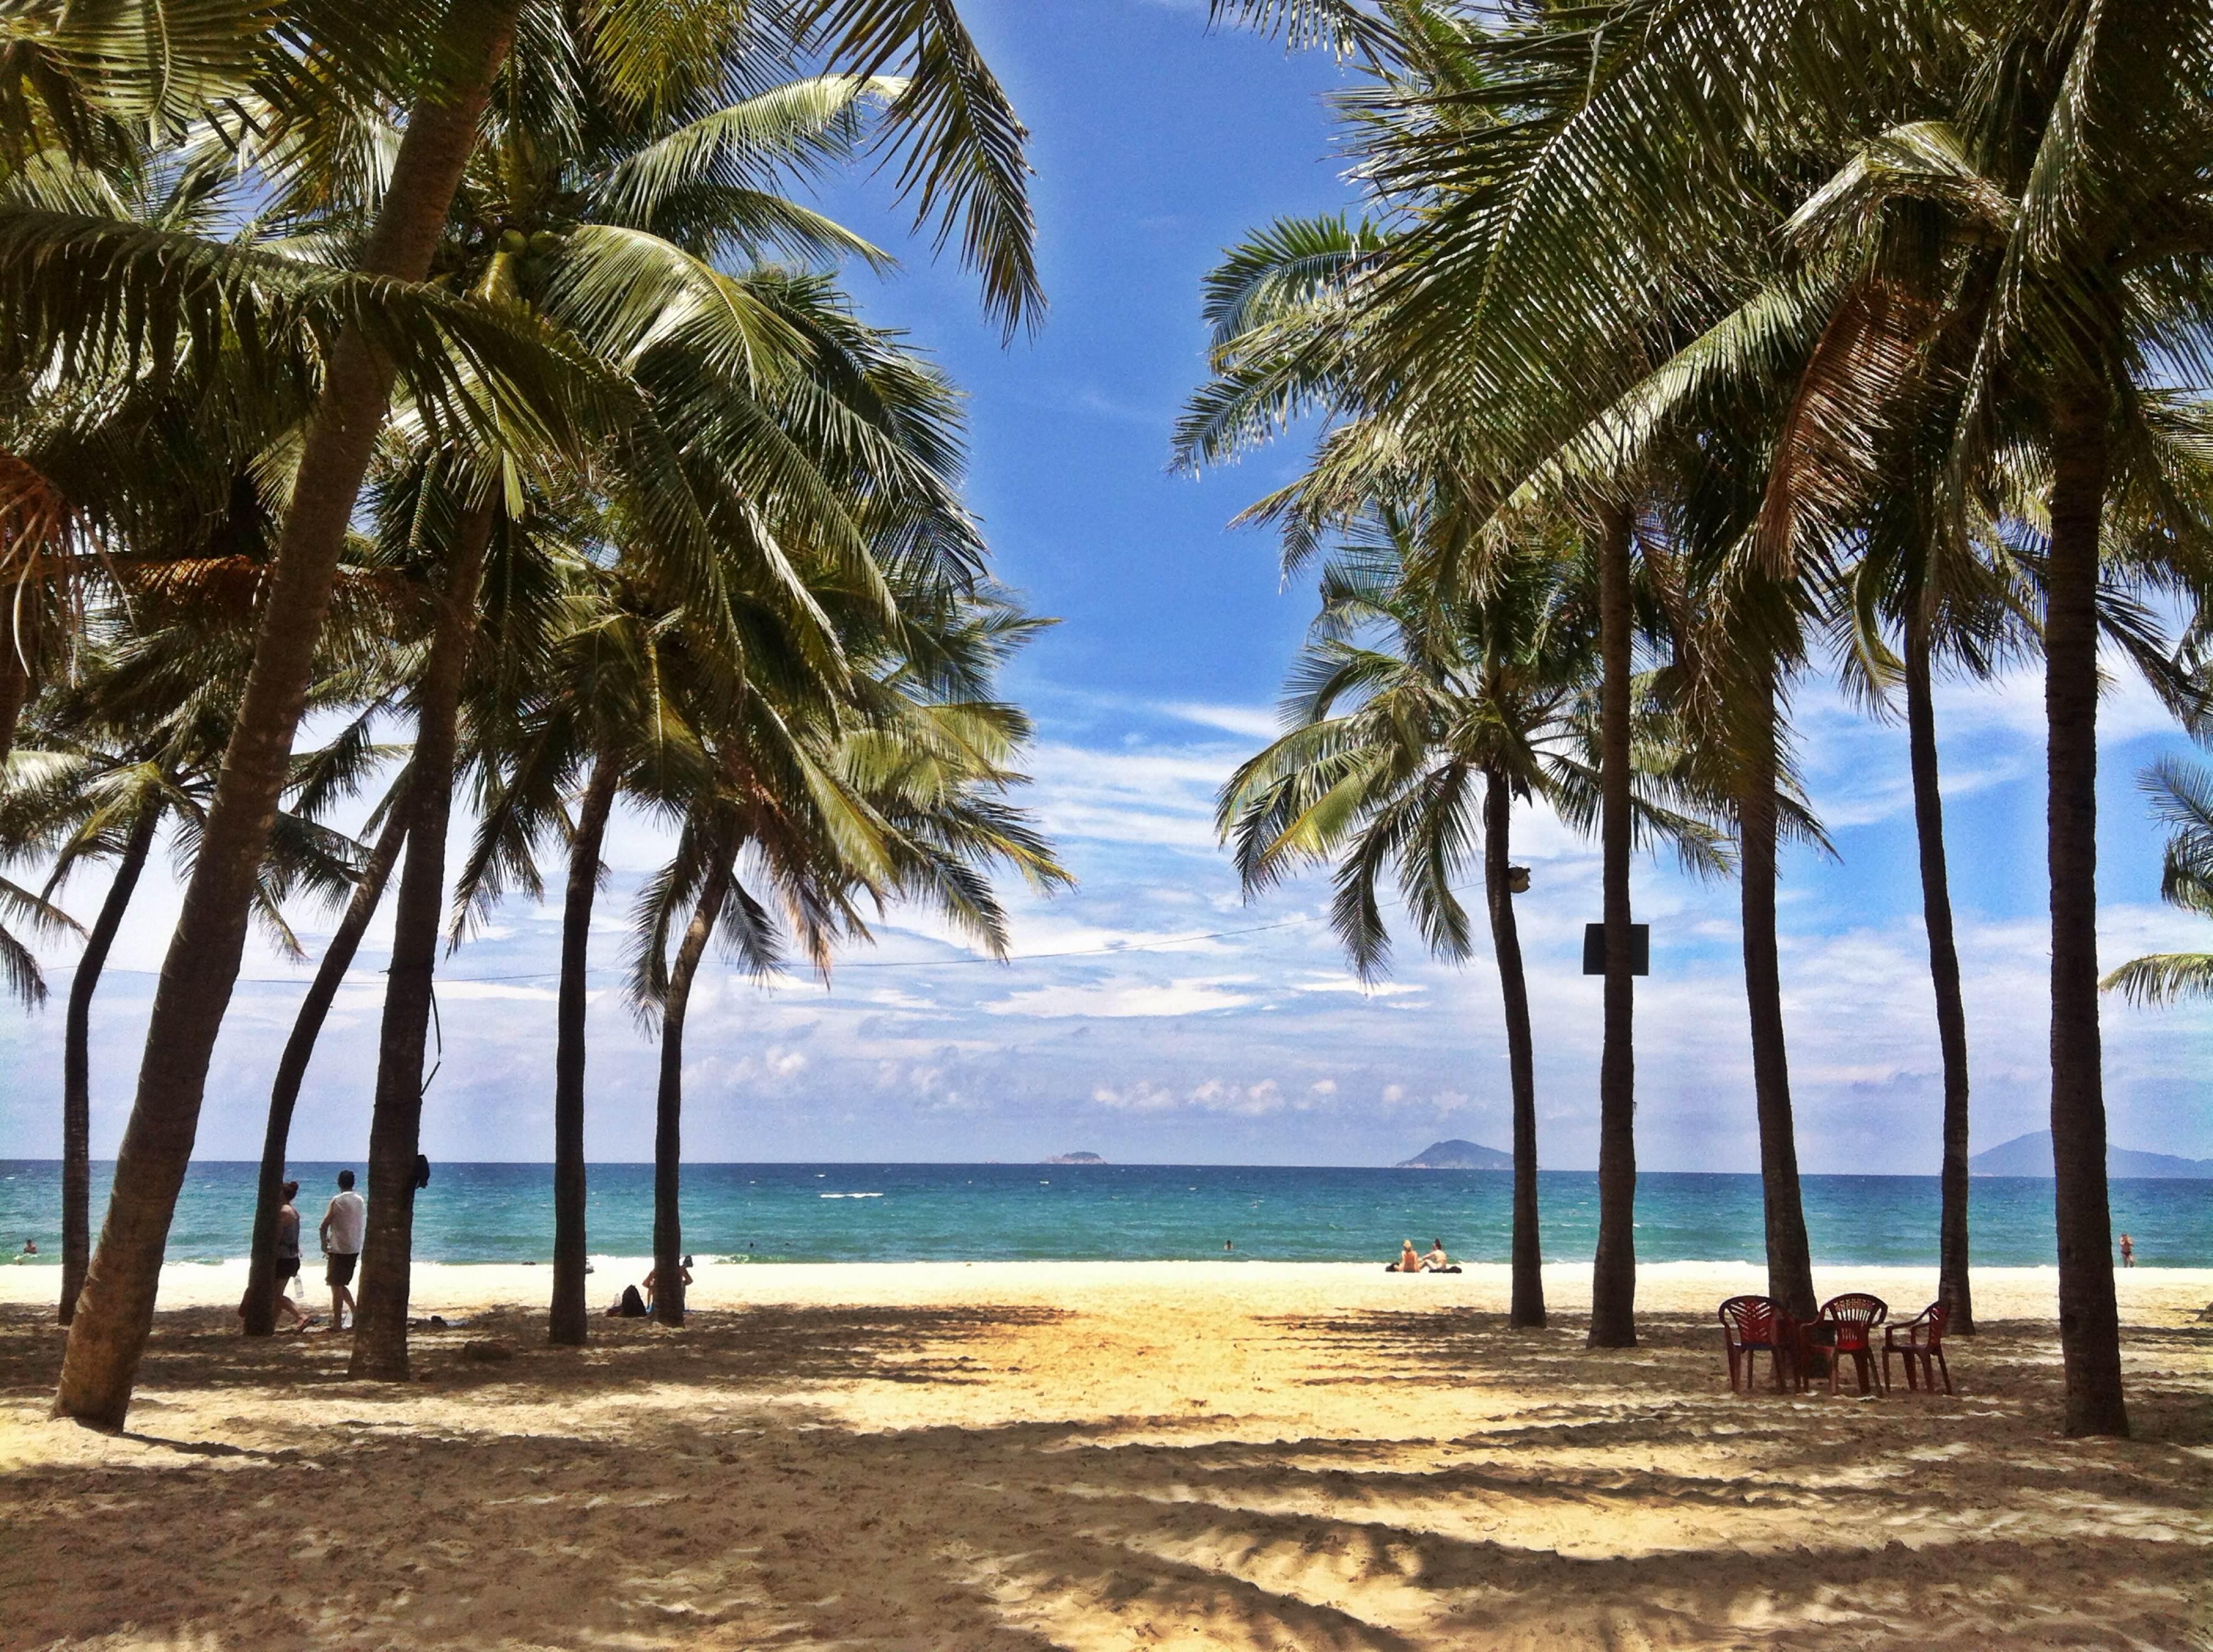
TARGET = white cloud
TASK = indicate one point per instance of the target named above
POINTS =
(1217, 1095)
(1213, 1095)
(1118, 999)
(1147, 1035)
(1353, 983)
(1160, 798)
(1254, 722)
(454, 988)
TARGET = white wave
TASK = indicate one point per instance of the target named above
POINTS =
(848, 1195)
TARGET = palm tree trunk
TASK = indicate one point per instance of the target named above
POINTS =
(1613, 1270)
(15, 682)
(380, 1339)
(1528, 1307)
(1943, 974)
(76, 1060)
(260, 1313)
(1789, 1264)
(570, 1321)
(2089, 1321)
(667, 1135)
(105, 1344)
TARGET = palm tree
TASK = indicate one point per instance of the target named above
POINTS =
(702, 869)
(761, 413)
(2057, 285)
(98, 1370)
(642, 699)
(618, 711)
(2181, 799)
(615, 717)
(1453, 135)
(615, 235)
(1403, 744)
(21, 977)
(1868, 332)
(2095, 273)
(960, 149)
(425, 807)
(926, 762)
(1558, 241)
(1737, 628)
(21, 828)
(132, 746)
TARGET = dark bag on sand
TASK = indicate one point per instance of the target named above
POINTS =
(632, 1306)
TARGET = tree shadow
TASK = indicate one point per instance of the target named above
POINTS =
(723, 1487)
(201, 1350)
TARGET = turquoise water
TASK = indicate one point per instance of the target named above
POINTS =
(924, 1212)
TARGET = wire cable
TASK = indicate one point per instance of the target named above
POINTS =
(1164, 941)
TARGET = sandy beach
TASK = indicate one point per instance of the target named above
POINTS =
(1102, 1455)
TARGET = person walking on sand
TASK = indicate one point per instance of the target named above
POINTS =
(288, 1257)
(342, 1226)
(2128, 1252)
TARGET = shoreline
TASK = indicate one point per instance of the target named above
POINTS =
(2147, 1295)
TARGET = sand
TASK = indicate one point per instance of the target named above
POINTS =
(1100, 1456)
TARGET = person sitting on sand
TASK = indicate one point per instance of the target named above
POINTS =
(628, 1306)
(1408, 1262)
(684, 1268)
(1437, 1261)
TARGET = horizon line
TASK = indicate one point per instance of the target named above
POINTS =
(1129, 1164)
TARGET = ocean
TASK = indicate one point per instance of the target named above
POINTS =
(975, 1212)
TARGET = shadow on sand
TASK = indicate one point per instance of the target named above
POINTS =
(713, 1488)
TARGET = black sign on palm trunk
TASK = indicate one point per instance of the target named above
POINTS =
(1640, 949)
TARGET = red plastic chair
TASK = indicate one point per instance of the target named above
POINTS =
(1851, 1320)
(1923, 1344)
(1750, 1326)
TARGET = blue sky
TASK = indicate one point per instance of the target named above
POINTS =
(1117, 1030)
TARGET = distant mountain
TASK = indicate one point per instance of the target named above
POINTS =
(1457, 1155)
(2030, 1155)
(1073, 1158)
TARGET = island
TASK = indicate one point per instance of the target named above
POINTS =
(1457, 1155)
(2030, 1155)
(1073, 1158)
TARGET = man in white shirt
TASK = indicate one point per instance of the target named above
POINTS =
(343, 1224)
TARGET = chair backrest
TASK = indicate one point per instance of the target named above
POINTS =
(1937, 1315)
(1854, 1314)
(1748, 1319)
